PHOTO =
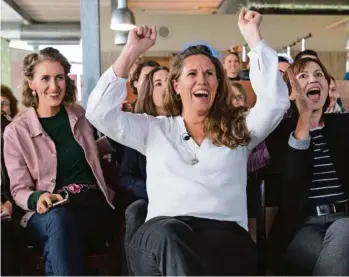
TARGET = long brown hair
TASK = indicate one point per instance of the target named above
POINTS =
(145, 103)
(224, 124)
(137, 72)
(29, 64)
(7, 92)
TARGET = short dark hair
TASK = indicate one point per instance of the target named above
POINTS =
(137, 72)
(299, 65)
(306, 52)
(282, 59)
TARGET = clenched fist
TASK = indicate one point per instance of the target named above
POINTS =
(249, 22)
(141, 38)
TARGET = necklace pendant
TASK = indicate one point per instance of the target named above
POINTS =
(194, 161)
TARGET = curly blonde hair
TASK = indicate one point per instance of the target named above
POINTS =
(224, 124)
(29, 64)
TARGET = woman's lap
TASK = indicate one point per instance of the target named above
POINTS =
(222, 248)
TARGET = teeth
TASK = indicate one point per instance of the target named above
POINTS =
(205, 92)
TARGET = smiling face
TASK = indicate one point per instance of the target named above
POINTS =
(49, 83)
(312, 80)
(159, 85)
(232, 65)
(197, 84)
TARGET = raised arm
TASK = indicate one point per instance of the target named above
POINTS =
(267, 83)
(104, 104)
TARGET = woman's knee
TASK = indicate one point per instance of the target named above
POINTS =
(159, 230)
(56, 220)
(338, 230)
(137, 209)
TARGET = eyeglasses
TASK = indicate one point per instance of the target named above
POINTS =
(5, 103)
(239, 97)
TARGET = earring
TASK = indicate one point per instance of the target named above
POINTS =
(34, 93)
(178, 97)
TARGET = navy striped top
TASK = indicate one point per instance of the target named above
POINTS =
(326, 188)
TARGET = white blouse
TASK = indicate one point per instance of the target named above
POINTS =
(215, 187)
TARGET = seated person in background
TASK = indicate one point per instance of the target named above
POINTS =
(307, 53)
(133, 167)
(9, 103)
(232, 66)
(151, 101)
(50, 154)
(310, 150)
(9, 243)
(139, 74)
(336, 105)
(284, 64)
(196, 158)
(238, 95)
(140, 70)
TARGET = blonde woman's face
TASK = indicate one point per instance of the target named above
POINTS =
(231, 64)
(159, 85)
(197, 84)
(49, 83)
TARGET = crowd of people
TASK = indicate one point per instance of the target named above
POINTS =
(185, 151)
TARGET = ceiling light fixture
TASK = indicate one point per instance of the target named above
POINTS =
(122, 18)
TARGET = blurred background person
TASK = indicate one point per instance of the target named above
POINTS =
(232, 66)
(9, 239)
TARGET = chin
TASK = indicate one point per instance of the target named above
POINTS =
(55, 104)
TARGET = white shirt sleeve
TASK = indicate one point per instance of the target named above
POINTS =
(271, 91)
(104, 112)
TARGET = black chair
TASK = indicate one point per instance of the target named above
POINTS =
(256, 209)
(261, 231)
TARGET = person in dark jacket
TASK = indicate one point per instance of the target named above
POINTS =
(310, 151)
(9, 242)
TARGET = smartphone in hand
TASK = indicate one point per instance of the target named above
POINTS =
(61, 202)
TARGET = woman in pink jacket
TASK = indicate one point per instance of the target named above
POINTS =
(51, 157)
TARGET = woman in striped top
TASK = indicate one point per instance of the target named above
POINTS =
(310, 150)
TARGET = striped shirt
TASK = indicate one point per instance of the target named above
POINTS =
(326, 188)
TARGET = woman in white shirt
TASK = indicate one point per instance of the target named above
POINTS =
(196, 158)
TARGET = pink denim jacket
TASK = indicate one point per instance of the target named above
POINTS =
(30, 156)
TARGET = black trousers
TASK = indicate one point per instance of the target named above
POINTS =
(191, 246)
(10, 254)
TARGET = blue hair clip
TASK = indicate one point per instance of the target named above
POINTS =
(214, 52)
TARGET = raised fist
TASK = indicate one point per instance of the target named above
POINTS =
(141, 38)
(249, 22)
